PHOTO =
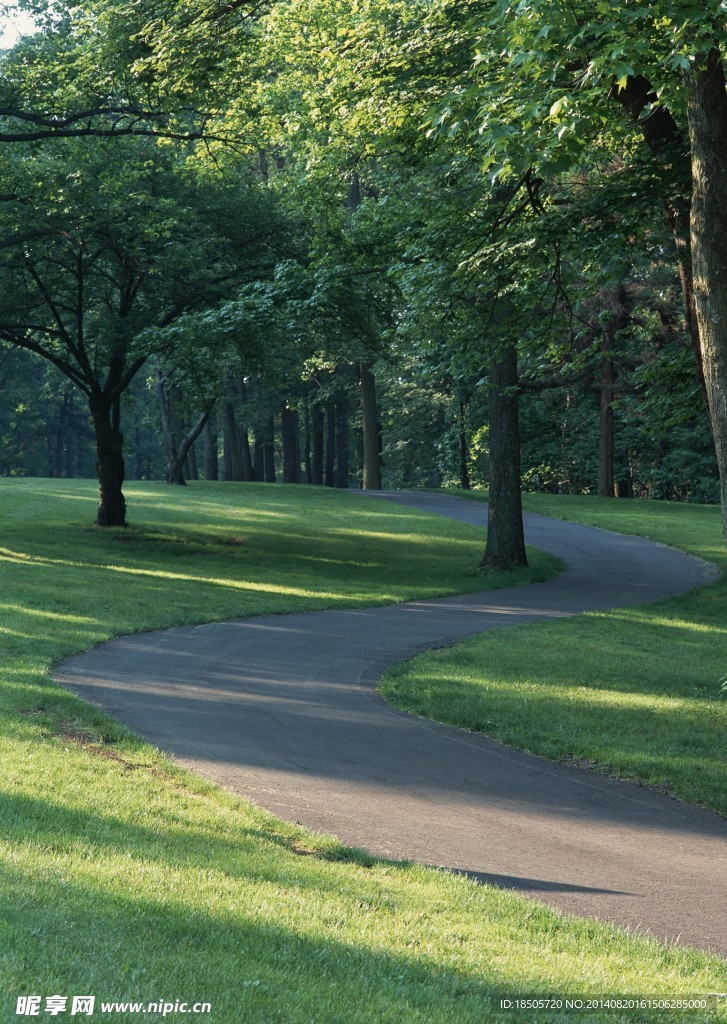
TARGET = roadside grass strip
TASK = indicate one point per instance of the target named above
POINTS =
(127, 878)
(633, 693)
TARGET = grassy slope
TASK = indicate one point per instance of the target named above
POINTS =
(123, 877)
(634, 692)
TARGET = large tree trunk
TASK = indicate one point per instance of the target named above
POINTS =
(505, 548)
(707, 114)
(110, 460)
(370, 430)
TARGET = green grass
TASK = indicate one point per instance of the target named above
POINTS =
(125, 877)
(633, 693)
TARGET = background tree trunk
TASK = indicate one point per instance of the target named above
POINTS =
(211, 467)
(341, 475)
(464, 473)
(331, 443)
(370, 430)
(317, 443)
(505, 548)
(289, 439)
(606, 429)
(232, 444)
(269, 451)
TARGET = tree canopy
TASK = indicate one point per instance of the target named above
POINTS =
(341, 232)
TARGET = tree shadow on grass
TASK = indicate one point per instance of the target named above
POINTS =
(239, 935)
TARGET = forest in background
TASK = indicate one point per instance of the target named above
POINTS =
(353, 244)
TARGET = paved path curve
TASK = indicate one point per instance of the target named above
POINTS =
(283, 709)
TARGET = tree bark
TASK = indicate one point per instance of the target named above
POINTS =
(248, 471)
(211, 467)
(464, 473)
(707, 115)
(307, 463)
(175, 474)
(289, 440)
(341, 474)
(606, 431)
(110, 460)
(331, 443)
(505, 548)
(232, 444)
(317, 445)
(269, 451)
(370, 429)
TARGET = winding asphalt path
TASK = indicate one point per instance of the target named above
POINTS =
(284, 710)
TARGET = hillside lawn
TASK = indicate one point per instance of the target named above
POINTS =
(128, 878)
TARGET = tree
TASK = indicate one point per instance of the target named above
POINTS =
(112, 242)
(553, 84)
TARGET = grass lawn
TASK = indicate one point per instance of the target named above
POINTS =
(634, 693)
(126, 878)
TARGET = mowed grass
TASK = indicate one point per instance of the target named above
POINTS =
(633, 693)
(124, 877)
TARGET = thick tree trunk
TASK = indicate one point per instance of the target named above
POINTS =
(707, 114)
(370, 430)
(211, 466)
(505, 548)
(110, 461)
(606, 430)
(317, 444)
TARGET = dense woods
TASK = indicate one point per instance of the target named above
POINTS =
(398, 244)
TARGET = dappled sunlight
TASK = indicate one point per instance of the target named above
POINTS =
(6, 631)
(43, 614)
(22, 557)
(534, 691)
(643, 618)
(419, 540)
(270, 588)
